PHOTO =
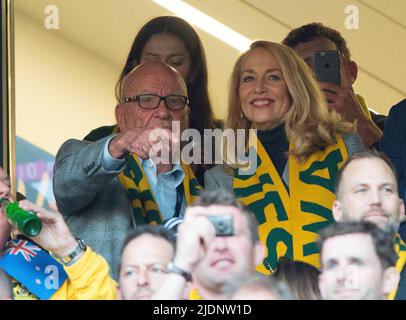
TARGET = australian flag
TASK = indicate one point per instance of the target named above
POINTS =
(33, 267)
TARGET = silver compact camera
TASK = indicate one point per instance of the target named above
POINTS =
(223, 225)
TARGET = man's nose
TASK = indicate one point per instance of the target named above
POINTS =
(162, 111)
(341, 274)
(375, 197)
(220, 243)
(142, 278)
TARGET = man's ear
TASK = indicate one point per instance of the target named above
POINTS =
(321, 286)
(120, 116)
(337, 211)
(401, 210)
(390, 280)
(353, 68)
(259, 253)
(187, 121)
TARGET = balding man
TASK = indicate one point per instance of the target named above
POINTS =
(105, 188)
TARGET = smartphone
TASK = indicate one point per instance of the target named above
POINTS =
(327, 66)
(223, 225)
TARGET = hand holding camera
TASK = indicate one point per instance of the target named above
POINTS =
(195, 234)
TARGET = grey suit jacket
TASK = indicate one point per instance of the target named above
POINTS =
(93, 201)
(218, 178)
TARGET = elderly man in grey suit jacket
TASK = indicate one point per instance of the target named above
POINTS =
(87, 188)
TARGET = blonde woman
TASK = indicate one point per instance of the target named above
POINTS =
(300, 147)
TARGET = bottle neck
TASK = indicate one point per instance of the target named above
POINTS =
(4, 202)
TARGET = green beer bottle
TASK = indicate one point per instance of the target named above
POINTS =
(26, 221)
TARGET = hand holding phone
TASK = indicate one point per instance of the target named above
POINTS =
(327, 66)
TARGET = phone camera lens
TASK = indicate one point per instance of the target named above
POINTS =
(221, 226)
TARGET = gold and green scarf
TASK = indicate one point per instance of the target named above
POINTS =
(289, 221)
(194, 294)
(145, 208)
(400, 249)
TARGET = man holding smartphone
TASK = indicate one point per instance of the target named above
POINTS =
(311, 38)
(217, 243)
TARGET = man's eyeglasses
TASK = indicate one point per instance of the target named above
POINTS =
(152, 101)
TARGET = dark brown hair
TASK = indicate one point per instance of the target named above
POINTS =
(382, 240)
(301, 277)
(258, 281)
(310, 31)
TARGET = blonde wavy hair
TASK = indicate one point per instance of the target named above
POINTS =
(309, 124)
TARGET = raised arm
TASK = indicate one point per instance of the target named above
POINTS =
(79, 175)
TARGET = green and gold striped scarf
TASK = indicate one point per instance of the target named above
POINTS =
(400, 249)
(145, 208)
(289, 221)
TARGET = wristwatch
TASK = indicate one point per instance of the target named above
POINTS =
(174, 269)
(71, 257)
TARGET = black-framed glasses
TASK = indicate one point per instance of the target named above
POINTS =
(152, 101)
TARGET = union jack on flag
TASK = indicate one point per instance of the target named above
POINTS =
(29, 264)
(27, 249)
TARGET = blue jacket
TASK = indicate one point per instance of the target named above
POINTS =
(393, 144)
